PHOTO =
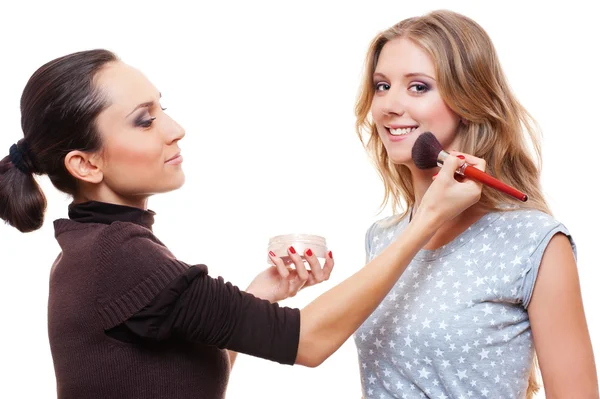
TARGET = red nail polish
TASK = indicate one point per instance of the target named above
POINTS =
(330, 255)
(272, 253)
(435, 175)
(460, 157)
(308, 252)
(292, 250)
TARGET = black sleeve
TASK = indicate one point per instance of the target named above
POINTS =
(201, 309)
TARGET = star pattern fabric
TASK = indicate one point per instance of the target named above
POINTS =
(455, 325)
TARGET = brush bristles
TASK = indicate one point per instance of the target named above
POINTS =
(425, 151)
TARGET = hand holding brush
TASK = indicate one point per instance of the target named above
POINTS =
(427, 153)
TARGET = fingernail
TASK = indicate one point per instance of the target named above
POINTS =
(272, 253)
(292, 250)
(330, 255)
(308, 252)
(460, 157)
(435, 175)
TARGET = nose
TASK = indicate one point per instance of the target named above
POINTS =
(174, 131)
(393, 104)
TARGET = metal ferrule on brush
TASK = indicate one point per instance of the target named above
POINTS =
(442, 157)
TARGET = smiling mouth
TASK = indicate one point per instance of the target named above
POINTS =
(403, 131)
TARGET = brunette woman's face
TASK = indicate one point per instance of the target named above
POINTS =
(140, 152)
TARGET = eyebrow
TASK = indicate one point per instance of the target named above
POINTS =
(408, 75)
(143, 105)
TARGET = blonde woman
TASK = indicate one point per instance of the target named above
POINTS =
(494, 286)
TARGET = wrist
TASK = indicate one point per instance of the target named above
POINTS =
(423, 225)
(261, 294)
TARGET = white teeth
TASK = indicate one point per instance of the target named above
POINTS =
(402, 131)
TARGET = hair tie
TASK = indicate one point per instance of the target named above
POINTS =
(18, 157)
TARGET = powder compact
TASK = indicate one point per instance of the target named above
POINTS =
(301, 242)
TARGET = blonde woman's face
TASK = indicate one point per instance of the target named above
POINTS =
(407, 101)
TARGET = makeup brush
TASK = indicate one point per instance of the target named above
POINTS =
(427, 153)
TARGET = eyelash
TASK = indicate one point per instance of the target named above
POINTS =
(379, 84)
(145, 123)
(148, 122)
(425, 88)
(423, 85)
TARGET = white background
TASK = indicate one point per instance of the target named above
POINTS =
(266, 94)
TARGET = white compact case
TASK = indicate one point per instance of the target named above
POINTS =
(301, 242)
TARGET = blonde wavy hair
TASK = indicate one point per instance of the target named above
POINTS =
(495, 127)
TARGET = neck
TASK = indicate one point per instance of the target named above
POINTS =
(103, 194)
(421, 180)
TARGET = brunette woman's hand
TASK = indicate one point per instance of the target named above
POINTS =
(279, 282)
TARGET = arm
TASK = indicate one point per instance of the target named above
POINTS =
(275, 284)
(328, 321)
(257, 293)
(232, 356)
(198, 308)
(559, 328)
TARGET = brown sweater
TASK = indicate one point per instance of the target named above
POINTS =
(111, 271)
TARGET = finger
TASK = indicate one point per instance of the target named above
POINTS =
(451, 165)
(283, 271)
(312, 280)
(315, 265)
(472, 160)
(328, 266)
(299, 263)
(296, 284)
(293, 283)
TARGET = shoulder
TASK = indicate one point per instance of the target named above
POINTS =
(64, 226)
(386, 224)
(125, 248)
(126, 232)
(528, 218)
(530, 229)
(383, 230)
(129, 239)
(132, 267)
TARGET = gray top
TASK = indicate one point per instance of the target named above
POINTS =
(455, 325)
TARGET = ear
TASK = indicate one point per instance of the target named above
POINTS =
(85, 166)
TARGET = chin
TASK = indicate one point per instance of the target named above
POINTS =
(171, 185)
(176, 183)
(400, 158)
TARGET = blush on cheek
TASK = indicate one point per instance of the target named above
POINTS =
(444, 122)
(138, 162)
(132, 153)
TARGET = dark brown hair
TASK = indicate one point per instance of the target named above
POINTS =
(59, 107)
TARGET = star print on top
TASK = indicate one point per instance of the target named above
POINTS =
(455, 325)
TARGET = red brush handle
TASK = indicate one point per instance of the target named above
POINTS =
(474, 173)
